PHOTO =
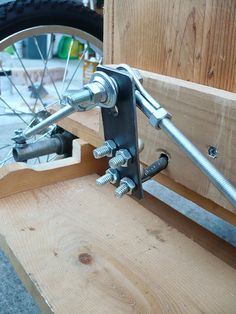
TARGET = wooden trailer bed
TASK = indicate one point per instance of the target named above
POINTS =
(77, 249)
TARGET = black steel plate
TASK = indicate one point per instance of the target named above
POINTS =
(122, 128)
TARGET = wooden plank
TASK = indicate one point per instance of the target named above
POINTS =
(206, 115)
(77, 247)
(19, 177)
(188, 39)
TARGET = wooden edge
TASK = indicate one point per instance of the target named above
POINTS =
(19, 177)
(217, 246)
(26, 278)
(108, 36)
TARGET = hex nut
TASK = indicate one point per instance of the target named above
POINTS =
(130, 183)
(112, 147)
(126, 155)
(97, 91)
(157, 116)
(115, 175)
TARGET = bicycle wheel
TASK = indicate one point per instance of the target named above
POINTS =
(65, 38)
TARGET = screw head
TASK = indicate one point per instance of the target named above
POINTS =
(212, 152)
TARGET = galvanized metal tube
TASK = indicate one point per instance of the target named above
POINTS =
(220, 182)
(34, 150)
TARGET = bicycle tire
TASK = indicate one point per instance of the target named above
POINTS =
(19, 15)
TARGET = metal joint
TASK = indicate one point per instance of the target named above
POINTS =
(157, 116)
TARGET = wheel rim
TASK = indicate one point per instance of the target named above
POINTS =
(11, 113)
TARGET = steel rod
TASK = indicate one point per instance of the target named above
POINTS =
(83, 95)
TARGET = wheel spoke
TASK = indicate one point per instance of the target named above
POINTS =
(26, 72)
(13, 110)
(49, 74)
(73, 75)
(67, 64)
(5, 146)
(44, 70)
(19, 93)
(7, 158)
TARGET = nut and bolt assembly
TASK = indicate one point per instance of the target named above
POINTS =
(126, 187)
(121, 159)
(111, 176)
(107, 149)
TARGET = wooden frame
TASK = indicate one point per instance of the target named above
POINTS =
(76, 248)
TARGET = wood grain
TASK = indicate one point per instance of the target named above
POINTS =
(77, 247)
(193, 40)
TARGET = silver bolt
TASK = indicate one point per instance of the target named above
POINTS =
(105, 150)
(111, 175)
(101, 151)
(117, 161)
(126, 186)
(104, 179)
(121, 159)
(122, 190)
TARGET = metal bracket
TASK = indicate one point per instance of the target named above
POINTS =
(120, 125)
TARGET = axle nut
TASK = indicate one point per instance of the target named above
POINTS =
(98, 93)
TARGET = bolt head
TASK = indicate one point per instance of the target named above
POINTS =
(126, 155)
(115, 175)
(128, 182)
(212, 152)
(97, 91)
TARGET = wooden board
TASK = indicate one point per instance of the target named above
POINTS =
(19, 177)
(206, 115)
(78, 249)
(189, 39)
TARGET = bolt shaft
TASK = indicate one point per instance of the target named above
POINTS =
(104, 179)
(122, 190)
(117, 161)
(101, 152)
